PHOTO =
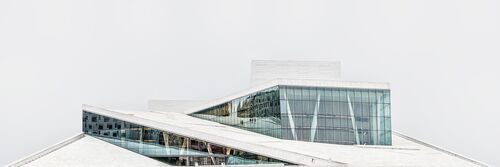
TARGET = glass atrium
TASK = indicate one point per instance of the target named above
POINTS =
(317, 114)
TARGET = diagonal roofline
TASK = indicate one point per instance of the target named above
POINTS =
(292, 157)
(418, 141)
(45, 151)
(290, 82)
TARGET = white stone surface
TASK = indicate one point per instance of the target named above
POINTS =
(403, 152)
(267, 70)
(173, 105)
(91, 152)
(185, 125)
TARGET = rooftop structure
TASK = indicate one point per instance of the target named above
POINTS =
(278, 122)
(267, 70)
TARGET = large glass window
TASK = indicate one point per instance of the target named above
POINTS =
(351, 116)
(327, 115)
(258, 112)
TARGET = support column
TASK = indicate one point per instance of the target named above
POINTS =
(166, 141)
(188, 146)
(314, 123)
(290, 119)
(353, 120)
(140, 134)
(209, 148)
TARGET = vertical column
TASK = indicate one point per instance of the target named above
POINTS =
(209, 148)
(140, 133)
(184, 149)
(290, 119)
(314, 123)
(379, 121)
(188, 146)
(353, 120)
(166, 141)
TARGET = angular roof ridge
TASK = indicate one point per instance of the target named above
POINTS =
(46, 151)
(292, 157)
(440, 149)
(290, 82)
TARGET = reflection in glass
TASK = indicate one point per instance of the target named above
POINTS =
(315, 114)
(165, 146)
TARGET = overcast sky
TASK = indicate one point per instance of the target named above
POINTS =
(440, 56)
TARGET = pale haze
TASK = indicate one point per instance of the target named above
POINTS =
(441, 58)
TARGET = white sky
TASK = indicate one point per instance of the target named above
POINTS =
(440, 56)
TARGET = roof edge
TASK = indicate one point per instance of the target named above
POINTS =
(294, 157)
(331, 83)
(441, 149)
(290, 82)
(43, 152)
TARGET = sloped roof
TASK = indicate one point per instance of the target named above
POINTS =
(84, 150)
(185, 125)
(405, 151)
(288, 82)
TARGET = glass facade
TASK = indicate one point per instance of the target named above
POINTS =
(258, 112)
(336, 115)
(316, 114)
(167, 147)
